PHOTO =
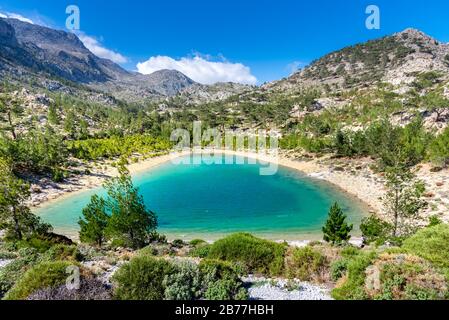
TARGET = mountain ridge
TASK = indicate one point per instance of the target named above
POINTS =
(31, 50)
(392, 59)
(28, 49)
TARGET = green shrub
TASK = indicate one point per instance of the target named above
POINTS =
(221, 281)
(27, 257)
(439, 149)
(405, 277)
(43, 275)
(197, 242)
(40, 245)
(142, 279)
(432, 244)
(434, 221)
(352, 288)
(257, 255)
(226, 289)
(306, 264)
(338, 269)
(201, 251)
(185, 284)
(218, 269)
(375, 230)
(62, 252)
(178, 243)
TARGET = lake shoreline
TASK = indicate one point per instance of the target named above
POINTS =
(360, 188)
(310, 168)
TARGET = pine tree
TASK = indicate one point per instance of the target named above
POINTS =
(131, 222)
(15, 216)
(336, 230)
(53, 114)
(94, 222)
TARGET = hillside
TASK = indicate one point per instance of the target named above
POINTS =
(395, 59)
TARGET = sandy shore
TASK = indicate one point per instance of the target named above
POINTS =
(45, 191)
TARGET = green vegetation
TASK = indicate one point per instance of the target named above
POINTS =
(149, 278)
(142, 279)
(403, 200)
(93, 149)
(336, 230)
(375, 230)
(43, 275)
(94, 222)
(306, 264)
(24, 259)
(122, 217)
(255, 254)
(431, 244)
(352, 288)
(439, 149)
(15, 216)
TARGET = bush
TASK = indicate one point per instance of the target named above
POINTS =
(375, 230)
(185, 284)
(62, 252)
(306, 264)
(439, 149)
(13, 271)
(226, 289)
(338, 269)
(43, 275)
(405, 277)
(178, 243)
(432, 244)
(434, 221)
(257, 255)
(90, 289)
(197, 242)
(201, 251)
(221, 281)
(352, 286)
(142, 279)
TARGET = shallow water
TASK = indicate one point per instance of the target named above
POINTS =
(209, 201)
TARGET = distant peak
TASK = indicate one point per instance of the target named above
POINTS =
(415, 33)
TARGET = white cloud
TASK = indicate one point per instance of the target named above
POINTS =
(200, 69)
(17, 16)
(96, 48)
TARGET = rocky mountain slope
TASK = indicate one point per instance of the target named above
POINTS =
(29, 50)
(395, 59)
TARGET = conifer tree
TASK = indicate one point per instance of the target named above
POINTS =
(94, 222)
(336, 230)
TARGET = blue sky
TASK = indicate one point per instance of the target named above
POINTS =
(260, 40)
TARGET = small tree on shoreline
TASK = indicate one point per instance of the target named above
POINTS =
(336, 230)
(94, 222)
(403, 200)
(122, 216)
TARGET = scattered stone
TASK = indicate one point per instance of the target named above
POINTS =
(260, 288)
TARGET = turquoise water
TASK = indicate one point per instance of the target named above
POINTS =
(209, 201)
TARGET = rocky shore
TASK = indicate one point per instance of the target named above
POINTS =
(260, 288)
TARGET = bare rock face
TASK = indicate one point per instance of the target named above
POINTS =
(436, 120)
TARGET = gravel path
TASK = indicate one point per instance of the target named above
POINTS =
(280, 289)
